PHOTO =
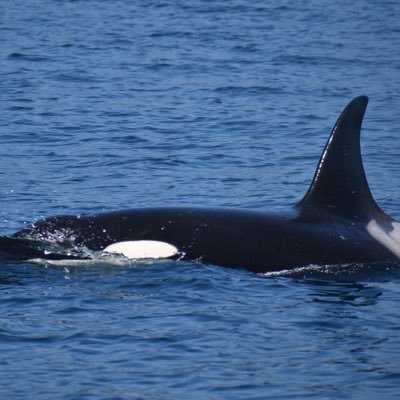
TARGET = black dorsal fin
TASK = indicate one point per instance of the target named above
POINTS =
(340, 185)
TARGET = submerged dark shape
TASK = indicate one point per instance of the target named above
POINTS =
(337, 222)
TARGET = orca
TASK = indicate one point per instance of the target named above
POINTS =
(336, 222)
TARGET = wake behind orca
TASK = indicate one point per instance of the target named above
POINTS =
(336, 222)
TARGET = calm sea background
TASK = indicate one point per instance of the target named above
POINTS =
(118, 104)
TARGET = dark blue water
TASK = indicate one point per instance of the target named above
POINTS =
(106, 105)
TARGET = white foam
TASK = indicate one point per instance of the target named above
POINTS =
(142, 249)
(68, 262)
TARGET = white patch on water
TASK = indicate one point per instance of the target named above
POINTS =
(67, 262)
(142, 249)
(99, 259)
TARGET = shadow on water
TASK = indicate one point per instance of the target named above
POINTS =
(350, 293)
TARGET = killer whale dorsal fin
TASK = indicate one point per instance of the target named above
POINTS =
(340, 185)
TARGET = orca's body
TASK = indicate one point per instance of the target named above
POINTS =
(337, 222)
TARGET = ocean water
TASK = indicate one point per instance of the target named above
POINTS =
(109, 105)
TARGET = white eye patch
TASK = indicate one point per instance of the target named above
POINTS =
(142, 249)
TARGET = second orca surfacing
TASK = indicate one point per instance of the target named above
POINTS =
(336, 222)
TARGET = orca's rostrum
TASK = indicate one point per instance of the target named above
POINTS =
(336, 222)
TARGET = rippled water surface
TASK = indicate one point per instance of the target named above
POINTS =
(107, 105)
